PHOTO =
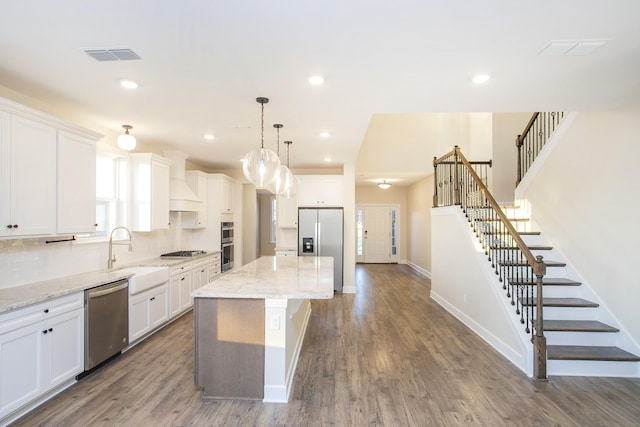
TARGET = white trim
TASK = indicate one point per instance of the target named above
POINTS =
(419, 269)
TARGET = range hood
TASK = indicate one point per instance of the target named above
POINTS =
(181, 196)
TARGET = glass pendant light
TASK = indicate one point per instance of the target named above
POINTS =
(291, 182)
(261, 166)
(283, 180)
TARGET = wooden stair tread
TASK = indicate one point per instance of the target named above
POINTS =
(547, 281)
(498, 220)
(578, 352)
(548, 263)
(577, 326)
(560, 302)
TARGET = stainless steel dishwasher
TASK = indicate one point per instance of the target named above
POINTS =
(106, 325)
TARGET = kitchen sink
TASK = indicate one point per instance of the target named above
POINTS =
(145, 277)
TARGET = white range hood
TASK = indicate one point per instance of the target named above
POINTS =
(181, 197)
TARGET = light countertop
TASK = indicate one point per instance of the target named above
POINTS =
(273, 277)
(33, 293)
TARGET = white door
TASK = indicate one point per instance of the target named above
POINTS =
(377, 234)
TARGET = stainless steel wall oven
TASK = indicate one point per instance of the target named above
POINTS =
(226, 245)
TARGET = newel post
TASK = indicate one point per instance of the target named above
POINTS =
(539, 340)
(456, 184)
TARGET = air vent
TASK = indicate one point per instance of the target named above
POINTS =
(571, 47)
(112, 54)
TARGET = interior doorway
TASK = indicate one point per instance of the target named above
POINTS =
(377, 233)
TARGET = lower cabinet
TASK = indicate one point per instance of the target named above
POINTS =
(200, 274)
(147, 311)
(215, 266)
(180, 288)
(41, 347)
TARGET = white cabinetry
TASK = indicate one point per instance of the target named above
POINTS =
(197, 181)
(227, 196)
(199, 274)
(220, 193)
(41, 347)
(287, 212)
(149, 192)
(320, 191)
(286, 252)
(180, 288)
(28, 174)
(76, 184)
(215, 266)
(147, 311)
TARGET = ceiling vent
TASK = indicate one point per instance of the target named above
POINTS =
(571, 47)
(112, 54)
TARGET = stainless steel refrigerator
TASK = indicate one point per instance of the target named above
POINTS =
(320, 233)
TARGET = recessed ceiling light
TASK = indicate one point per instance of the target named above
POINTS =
(480, 79)
(208, 137)
(129, 84)
(316, 80)
(325, 134)
(327, 159)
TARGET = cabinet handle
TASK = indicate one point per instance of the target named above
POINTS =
(12, 226)
(46, 310)
(50, 329)
(95, 225)
(182, 278)
(201, 271)
(152, 299)
(44, 332)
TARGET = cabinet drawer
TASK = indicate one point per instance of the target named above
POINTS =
(41, 311)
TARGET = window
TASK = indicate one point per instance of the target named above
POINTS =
(394, 232)
(359, 242)
(111, 193)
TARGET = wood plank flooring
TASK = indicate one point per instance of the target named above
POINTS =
(388, 356)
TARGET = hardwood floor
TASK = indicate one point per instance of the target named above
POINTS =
(387, 356)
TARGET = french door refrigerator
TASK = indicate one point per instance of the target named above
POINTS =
(320, 233)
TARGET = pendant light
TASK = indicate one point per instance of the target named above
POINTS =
(261, 166)
(126, 141)
(283, 180)
(292, 182)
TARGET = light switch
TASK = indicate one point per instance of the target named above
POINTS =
(274, 322)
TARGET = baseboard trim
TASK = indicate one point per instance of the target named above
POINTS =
(420, 270)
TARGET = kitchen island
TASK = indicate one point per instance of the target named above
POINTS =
(250, 323)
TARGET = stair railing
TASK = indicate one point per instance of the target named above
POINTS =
(534, 137)
(458, 181)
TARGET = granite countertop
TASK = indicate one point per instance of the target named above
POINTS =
(33, 293)
(273, 277)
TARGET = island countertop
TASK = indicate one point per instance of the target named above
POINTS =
(273, 277)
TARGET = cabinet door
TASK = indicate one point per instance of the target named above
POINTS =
(158, 307)
(174, 296)
(227, 197)
(66, 347)
(287, 212)
(185, 291)
(139, 323)
(33, 177)
(159, 195)
(5, 174)
(76, 184)
(199, 275)
(20, 367)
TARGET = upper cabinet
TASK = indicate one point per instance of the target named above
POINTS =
(47, 174)
(221, 193)
(28, 177)
(320, 190)
(76, 184)
(227, 196)
(149, 192)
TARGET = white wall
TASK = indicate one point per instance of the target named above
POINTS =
(506, 127)
(463, 283)
(585, 197)
(419, 203)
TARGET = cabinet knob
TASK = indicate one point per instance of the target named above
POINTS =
(95, 225)
(46, 310)
(15, 225)
(182, 278)
(50, 329)
(151, 299)
(45, 331)
(12, 226)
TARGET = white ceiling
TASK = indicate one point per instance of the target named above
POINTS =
(204, 63)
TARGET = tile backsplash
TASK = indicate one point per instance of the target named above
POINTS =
(24, 261)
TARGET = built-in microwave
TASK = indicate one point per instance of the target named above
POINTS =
(226, 232)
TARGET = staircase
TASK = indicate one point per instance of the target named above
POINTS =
(578, 342)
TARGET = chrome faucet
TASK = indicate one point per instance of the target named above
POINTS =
(112, 257)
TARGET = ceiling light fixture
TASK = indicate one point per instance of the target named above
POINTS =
(316, 80)
(209, 137)
(327, 159)
(261, 166)
(284, 178)
(325, 134)
(480, 79)
(129, 84)
(126, 141)
(384, 185)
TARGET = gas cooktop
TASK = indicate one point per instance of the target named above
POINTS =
(182, 254)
